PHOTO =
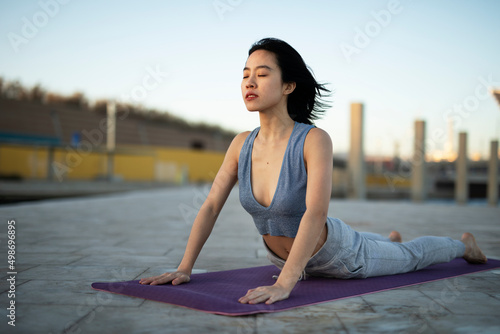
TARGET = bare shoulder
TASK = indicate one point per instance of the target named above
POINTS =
(240, 138)
(317, 140)
(236, 144)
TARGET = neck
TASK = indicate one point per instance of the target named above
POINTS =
(275, 124)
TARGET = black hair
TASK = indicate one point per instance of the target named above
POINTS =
(305, 103)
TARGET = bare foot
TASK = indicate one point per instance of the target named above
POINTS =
(395, 236)
(472, 252)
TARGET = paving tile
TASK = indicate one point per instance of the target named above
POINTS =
(465, 324)
(454, 285)
(402, 302)
(261, 253)
(475, 283)
(75, 240)
(468, 303)
(74, 294)
(81, 272)
(47, 258)
(301, 320)
(18, 268)
(383, 323)
(55, 319)
(6, 286)
(354, 304)
(120, 260)
(495, 295)
(220, 263)
(493, 281)
(241, 252)
(106, 249)
(151, 247)
(47, 248)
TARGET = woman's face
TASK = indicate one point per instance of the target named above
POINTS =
(262, 87)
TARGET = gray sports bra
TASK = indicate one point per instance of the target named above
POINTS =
(282, 217)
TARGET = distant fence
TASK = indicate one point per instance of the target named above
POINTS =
(130, 163)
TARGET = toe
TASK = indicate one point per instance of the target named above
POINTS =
(395, 236)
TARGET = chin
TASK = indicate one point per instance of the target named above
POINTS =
(251, 109)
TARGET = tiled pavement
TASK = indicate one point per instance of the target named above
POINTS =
(64, 245)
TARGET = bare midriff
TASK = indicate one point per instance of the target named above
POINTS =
(282, 245)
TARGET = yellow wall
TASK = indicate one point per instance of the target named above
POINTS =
(389, 179)
(134, 167)
(202, 165)
(28, 162)
(70, 164)
(132, 163)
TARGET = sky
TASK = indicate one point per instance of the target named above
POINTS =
(403, 59)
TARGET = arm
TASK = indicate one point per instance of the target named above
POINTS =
(205, 219)
(318, 157)
(318, 154)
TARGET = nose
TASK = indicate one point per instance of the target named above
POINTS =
(250, 82)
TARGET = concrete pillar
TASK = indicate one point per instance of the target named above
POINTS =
(461, 180)
(493, 174)
(356, 164)
(111, 126)
(418, 174)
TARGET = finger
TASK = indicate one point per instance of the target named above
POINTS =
(259, 299)
(270, 301)
(257, 296)
(161, 280)
(246, 298)
(247, 294)
(243, 299)
(147, 280)
(180, 280)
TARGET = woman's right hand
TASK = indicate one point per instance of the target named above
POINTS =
(176, 278)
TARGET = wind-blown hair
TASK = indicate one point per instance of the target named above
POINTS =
(305, 103)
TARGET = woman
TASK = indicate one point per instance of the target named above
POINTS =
(284, 169)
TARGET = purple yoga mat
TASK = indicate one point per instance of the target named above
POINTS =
(218, 292)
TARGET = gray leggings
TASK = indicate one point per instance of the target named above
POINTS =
(350, 254)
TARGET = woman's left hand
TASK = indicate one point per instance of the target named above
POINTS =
(268, 294)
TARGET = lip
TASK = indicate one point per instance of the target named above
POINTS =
(251, 96)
